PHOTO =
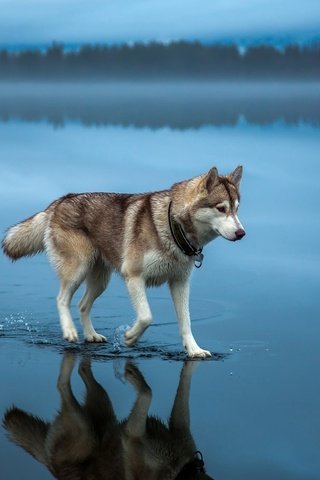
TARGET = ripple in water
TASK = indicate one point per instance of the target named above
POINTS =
(23, 326)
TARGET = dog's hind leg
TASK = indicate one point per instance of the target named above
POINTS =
(71, 439)
(72, 255)
(137, 291)
(67, 289)
(97, 279)
(68, 400)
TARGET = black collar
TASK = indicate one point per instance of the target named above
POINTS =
(182, 242)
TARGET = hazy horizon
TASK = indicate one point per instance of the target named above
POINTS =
(76, 22)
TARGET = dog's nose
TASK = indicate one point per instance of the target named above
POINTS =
(240, 233)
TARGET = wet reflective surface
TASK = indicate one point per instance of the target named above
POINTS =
(254, 407)
(87, 440)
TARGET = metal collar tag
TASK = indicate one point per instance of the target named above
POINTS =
(198, 259)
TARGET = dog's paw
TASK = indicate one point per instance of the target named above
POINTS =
(193, 349)
(135, 332)
(70, 334)
(130, 337)
(134, 376)
(85, 369)
(199, 353)
(94, 337)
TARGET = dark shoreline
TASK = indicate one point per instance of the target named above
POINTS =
(156, 60)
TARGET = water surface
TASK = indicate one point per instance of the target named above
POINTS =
(253, 408)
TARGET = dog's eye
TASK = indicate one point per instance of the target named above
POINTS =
(221, 209)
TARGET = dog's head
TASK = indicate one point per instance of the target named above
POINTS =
(194, 469)
(211, 201)
(219, 203)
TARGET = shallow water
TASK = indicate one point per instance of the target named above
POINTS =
(254, 407)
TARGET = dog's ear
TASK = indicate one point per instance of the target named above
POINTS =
(210, 180)
(236, 175)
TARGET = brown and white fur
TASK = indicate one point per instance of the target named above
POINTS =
(88, 236)
(86, 441)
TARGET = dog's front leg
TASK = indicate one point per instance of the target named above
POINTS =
(137, 290)
(179, 422)
(136, 423)
(180, 295)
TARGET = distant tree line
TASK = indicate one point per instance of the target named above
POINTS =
(177, 60)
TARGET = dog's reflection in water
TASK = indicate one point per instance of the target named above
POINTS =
(87, 441)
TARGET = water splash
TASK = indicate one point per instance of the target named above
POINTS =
(29, 330)
(19, 323)
(119, 369)
(118, 338)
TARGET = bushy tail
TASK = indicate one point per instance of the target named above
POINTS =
(26, 238)
(28, 431)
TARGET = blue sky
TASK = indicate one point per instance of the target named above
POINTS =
(113, 21)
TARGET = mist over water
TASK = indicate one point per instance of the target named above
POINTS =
(254, 409)
(180, 105)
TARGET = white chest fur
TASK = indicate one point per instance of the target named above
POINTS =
(158, 268)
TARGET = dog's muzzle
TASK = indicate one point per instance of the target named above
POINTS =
(240, 233)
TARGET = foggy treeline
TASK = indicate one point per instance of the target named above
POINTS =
(176, 60)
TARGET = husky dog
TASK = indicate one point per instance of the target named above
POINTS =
(86, 441)
(149, 238)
